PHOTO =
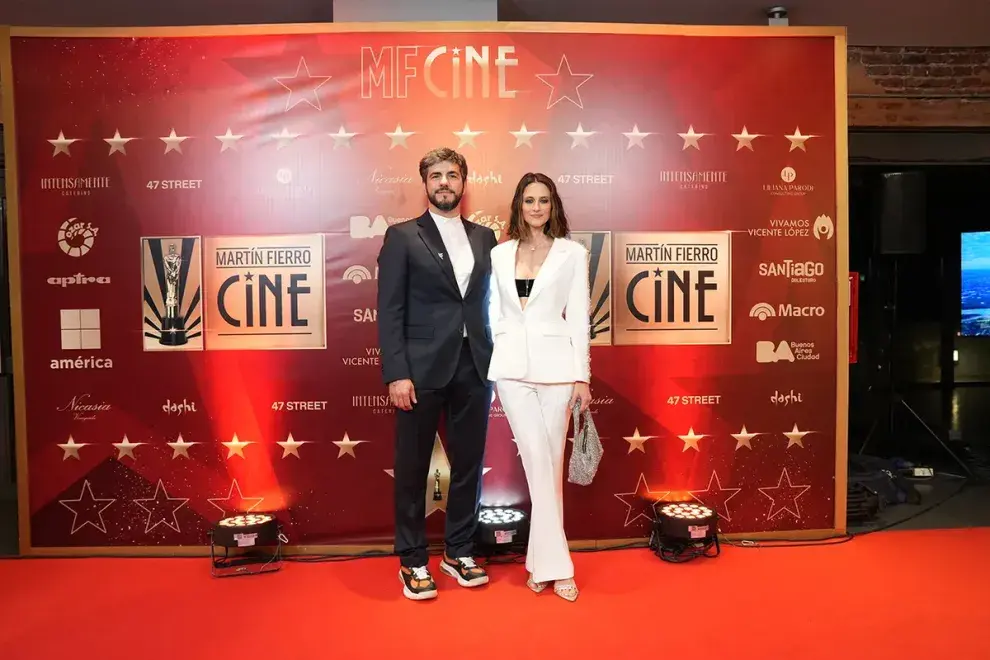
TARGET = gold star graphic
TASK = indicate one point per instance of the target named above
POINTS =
(160, 508)
(789, 494)
(304, 85)
(743, 438)
(564, 85)
(238, 505)
(798, 139)
(524, 136)
(641, 502)
(228, 140)
(399, 137)
(438, 478)
(236, 446)
(580, 136)
(284, 138)
(71, 448)
(715, 499)
(636, 441)
(117, 144)
(61, 144)
(180, 447)
(691, 138)
(745, 139)
(636, 138)
(290, 446)
(89, 507)
(173, 142)
(126, 448)
(691, 440)
(342, 138)
(796, 437)
(466, 136)
(346, 446)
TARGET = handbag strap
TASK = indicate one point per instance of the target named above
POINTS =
(579, 431)
(576, 419)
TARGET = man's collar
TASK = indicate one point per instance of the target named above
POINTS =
(441, 220)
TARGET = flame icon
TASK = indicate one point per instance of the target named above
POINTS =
(824, 228)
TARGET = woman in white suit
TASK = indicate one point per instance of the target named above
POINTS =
(541, 361)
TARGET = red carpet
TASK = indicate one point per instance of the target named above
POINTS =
(898, 595)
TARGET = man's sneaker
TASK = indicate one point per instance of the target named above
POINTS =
(465, 570)
(417, 583)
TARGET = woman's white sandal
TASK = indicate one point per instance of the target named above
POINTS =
(535, 587)
(568, 592)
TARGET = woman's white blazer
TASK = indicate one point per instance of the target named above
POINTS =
(548, 341)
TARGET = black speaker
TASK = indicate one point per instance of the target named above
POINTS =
(901, 226)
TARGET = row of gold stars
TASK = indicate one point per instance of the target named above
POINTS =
(691, 440)
(235, 447)
(290, 446)
(466, 137)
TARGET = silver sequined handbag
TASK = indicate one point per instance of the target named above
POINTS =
(587, 452)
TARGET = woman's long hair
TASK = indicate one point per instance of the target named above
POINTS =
(555, 227)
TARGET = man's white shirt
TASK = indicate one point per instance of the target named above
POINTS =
(458, 247)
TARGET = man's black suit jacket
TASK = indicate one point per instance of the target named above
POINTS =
(421, 313)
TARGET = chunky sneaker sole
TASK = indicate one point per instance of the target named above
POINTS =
(454, 573)
(415, 595)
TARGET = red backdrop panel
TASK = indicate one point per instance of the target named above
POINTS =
(200, 220)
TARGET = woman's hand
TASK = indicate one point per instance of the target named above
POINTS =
(581, 393)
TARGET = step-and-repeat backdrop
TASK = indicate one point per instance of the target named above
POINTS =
(199, 218)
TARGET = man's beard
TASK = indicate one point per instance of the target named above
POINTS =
(445, 205)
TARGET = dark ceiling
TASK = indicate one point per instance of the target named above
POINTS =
(870, 22)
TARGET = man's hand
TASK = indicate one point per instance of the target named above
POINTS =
(402, 393)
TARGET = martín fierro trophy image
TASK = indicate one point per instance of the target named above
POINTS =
(172, 293)
(173, 325)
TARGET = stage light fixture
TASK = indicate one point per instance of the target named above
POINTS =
(256, 540)
(684, 531)
(501, 528)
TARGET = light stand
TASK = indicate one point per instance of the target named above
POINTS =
(892, 399)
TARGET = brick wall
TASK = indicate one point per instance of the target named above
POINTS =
(919, 87)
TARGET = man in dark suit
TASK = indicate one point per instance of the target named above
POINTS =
(436, 343)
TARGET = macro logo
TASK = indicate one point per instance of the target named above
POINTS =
(764, 311)
(358, 274)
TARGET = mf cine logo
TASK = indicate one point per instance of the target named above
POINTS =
(244, 293)
(672, 288)
(393, 72)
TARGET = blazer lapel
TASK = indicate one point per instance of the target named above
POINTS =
(555, 259)
(476, 240)
(430, 235)
(507, 271)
